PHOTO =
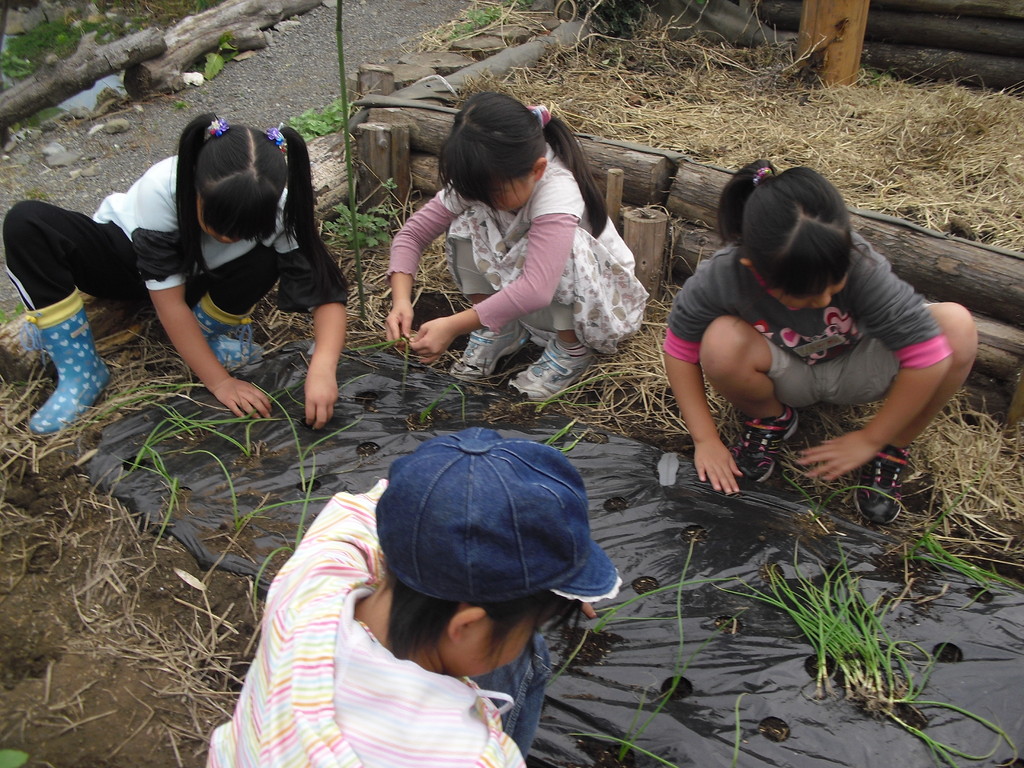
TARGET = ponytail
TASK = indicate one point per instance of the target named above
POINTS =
(189, 144)
(299, 220)
(567, 147)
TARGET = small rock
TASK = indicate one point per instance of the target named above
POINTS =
(92, 170)
(62, 159)
(53, 148)
(118, 125)
(94, 130)
(287, 25)
(193, 78)
(80, 113)
(479, 43)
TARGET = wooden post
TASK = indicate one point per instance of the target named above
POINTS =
(1016, 412)
(373, 151)
(645, 231)
(376, 79)
(613, 195)
(832, 37)
(401, 165)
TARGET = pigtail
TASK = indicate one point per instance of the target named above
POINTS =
(567, 148)
(735, 195)
(185, 196)
(299, 220)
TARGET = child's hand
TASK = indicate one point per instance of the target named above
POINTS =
(715, 464)
(398, 323)
(433, 339)
(840, 455)
(241, 397)
(321, 395)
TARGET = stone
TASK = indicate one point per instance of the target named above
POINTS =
(443, 63)
(118, 125)
(62, 159)
(479, 43)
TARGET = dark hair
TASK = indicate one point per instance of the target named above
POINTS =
(240, 176)
(793, 226)
(418, 621)
(496, 139)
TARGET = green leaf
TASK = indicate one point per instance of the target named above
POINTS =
(12, 758)
(214, 64)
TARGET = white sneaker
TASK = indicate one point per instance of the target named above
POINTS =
(555, 371)
(486, 349)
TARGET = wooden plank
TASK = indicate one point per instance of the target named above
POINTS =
(373, 150)
(831, 37)
(613, 195)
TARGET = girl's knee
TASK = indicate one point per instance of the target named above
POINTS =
(730, 344)
(959, 328)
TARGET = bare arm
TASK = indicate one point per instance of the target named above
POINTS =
(329, 328)
(183, 330)
(712, 459)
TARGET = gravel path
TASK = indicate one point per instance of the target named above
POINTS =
(299, 71)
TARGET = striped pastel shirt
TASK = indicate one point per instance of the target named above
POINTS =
(322, 692)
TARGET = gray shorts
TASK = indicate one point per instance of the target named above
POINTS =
(861, 376)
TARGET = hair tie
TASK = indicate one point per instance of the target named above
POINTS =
(218, 127)
(762, 173)
(275, 135)
(542, 114)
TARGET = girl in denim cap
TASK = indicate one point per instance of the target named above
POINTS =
(530, 245)
(395, 598)
(798, 309)
(203, 235)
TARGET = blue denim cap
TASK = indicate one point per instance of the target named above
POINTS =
(474, 517)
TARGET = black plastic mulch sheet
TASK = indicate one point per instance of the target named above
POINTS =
(739, 672)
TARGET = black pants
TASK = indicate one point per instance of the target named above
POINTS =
(52, 251)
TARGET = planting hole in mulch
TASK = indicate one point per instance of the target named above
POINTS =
(947, 653)
(728, 625)
(605, 755)
(676, 688)
(367, 449)
(911, 715)
(367, 399)
(615, 504)
(773, 729)
(694, 534)
(644, 584)
(593, 647)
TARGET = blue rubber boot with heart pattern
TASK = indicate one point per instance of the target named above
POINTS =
(62, 331)
(229, 336)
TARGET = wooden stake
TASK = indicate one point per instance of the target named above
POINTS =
(645, 231)
(376, 79)
(613, 195)
(373, 151)
(1016, 412)
(401, 166)
(832, 37)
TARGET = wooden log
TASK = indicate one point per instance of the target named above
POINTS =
(329, 175)
(373, 151)
(645, 231)
(1002, 37)
(831, 38)
(995, 9)
(423, 169)
(1016, 411)
(647, 174)
(194, 36)
(375, 79)
(1000, 345)
(940, 267)
(613, 195)
(982, 69)
(85, 66)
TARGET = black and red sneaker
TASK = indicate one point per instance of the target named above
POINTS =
(878, 495)
(762, 439)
